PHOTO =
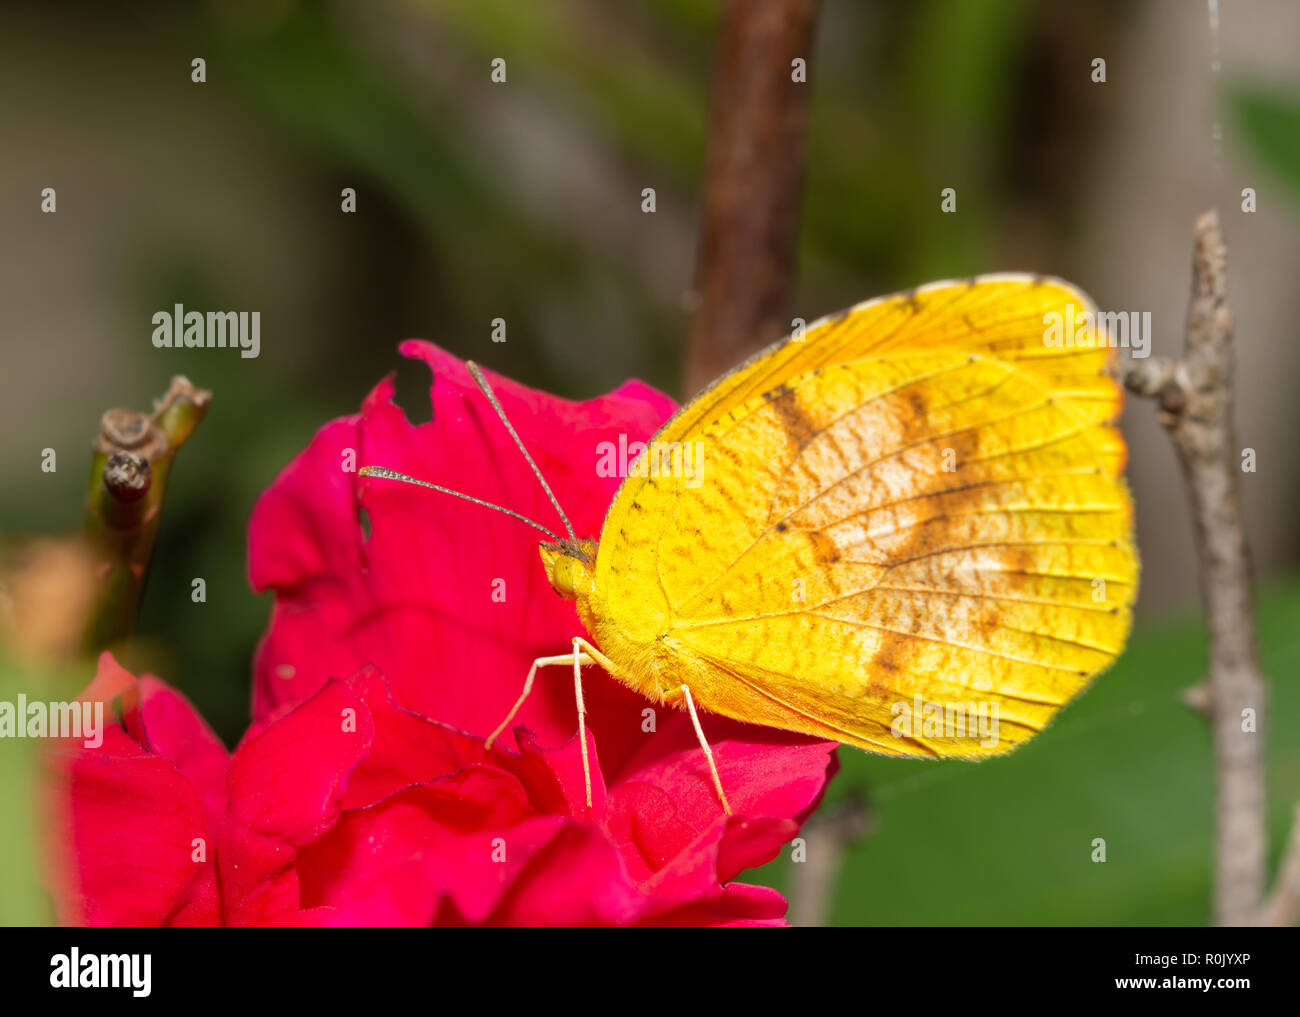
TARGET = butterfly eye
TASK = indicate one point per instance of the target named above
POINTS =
(569, 574)
(564, 578)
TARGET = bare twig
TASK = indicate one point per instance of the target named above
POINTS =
(1195, 399)
(1283, 905)
(827, 837)
(133, 454)
(752, 184)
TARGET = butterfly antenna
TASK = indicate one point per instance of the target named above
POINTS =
(385, 472)
(486, 389)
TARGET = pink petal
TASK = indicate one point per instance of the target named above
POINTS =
(390, 863)
(416, 599)
(664, 799)
(734, 904)
(288, 782)
(133, 840)
(169, 726)
(134, 824)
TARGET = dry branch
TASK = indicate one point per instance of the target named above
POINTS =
(133, 454)
(827, 837)
(1283, 905)
(1195, 394)
(752, 182)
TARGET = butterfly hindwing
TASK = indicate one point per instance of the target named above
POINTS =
(930, 508)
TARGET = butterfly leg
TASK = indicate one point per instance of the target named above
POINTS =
(591, 656)
(708, 752)
(582, 715)
(563, 658)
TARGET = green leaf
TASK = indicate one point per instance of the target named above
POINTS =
(1270, 122)
(1012, 841)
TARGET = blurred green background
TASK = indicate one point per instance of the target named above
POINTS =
(522, 201)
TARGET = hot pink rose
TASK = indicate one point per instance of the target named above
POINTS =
(133, 837)
(403, 625)
(350, 809)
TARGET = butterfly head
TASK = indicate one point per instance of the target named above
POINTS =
(570, 566)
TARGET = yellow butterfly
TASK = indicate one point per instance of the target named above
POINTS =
(904, 529)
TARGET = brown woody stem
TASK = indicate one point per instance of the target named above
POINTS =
(752, 183)
(128, 479)
(1194, 395)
